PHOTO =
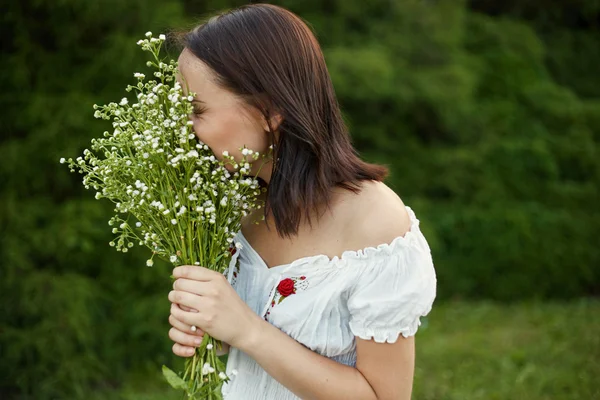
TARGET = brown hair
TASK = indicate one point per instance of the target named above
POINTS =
(269, 56)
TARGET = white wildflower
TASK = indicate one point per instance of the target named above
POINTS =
(153, 164)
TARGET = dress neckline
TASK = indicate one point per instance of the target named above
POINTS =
(347, 254)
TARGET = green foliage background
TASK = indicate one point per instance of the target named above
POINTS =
(487, 113)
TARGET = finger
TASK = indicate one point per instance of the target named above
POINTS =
(195, 287)
(185, 308)
(183, 327)
(183, 338)
(187, 299)
(183, 351)
(188, 318)
(195, 272)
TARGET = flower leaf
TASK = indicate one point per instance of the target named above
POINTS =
(217, 394)
(174, 380)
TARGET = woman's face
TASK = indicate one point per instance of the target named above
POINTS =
(220, 118)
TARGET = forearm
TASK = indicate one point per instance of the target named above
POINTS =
(304, 372)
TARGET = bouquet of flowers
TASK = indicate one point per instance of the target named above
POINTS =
(170, 192)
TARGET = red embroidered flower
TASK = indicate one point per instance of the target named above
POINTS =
(286, 287)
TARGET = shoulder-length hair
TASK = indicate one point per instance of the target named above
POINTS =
(270, 58)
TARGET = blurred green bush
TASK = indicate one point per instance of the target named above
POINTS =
(486, 112)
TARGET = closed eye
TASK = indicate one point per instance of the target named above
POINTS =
(198, 110)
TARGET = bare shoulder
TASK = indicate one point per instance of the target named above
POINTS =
(378, 215)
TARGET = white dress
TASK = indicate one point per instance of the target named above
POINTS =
(374, 293)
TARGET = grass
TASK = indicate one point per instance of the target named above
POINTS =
(477, 351)
(526, 351)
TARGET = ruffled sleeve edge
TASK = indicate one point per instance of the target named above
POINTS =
(407, 328)
(408, 324)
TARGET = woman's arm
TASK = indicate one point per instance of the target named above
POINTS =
(384, 371)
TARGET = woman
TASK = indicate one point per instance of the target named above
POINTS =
(323, 298)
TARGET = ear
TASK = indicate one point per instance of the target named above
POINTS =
(274, 120)
(268, 112)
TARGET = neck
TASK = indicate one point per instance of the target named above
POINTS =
(266, 170)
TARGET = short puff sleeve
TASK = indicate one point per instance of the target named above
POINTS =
(395, 285)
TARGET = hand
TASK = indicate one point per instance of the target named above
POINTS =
(203, 298)
(186, 339)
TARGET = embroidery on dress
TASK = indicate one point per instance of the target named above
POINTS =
(285, 288)
(236, 270)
